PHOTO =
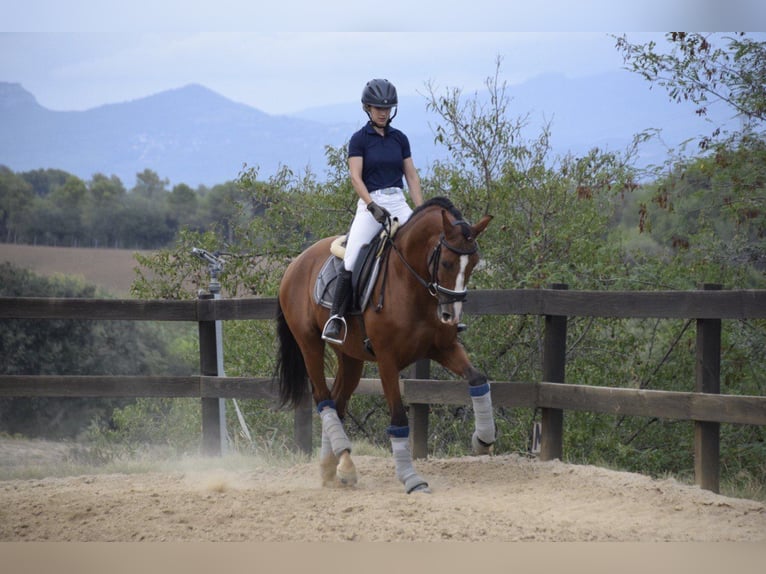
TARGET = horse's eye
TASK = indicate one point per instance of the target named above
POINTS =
(448, 265)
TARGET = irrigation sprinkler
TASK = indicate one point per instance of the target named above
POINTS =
(215, 267)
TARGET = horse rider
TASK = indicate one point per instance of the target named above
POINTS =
(379, 162)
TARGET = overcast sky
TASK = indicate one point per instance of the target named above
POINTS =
(79, 54)
(284, 72)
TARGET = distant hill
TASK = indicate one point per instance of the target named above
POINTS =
(189, 135)
(196, 136)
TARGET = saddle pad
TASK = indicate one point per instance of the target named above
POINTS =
(364, 276)
(324, 287)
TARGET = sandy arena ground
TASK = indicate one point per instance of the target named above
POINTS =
(502, 498)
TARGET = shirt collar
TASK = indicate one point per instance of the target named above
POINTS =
(371, 129)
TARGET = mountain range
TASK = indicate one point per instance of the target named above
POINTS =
(195, 136)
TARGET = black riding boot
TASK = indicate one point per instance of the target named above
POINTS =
(335, 328)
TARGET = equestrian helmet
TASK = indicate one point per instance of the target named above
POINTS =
(379, 93)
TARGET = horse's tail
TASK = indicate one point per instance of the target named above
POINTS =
(291, 368)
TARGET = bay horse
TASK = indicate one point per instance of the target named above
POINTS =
(423, 278)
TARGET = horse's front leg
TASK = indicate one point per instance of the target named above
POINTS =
(399, 433)
(456, 360)
(481, 397)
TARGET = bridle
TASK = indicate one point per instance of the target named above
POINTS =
(444, 295)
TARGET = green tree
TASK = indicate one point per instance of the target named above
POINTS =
(710, 69)
(105, 204)
(143, 224)
(44, 181)
(482, 137)
(698, 69)
(150, 186)
(72, 347)
(68, 203)
(219, 207)
(182, 205)
(546, 209)
(265, 224)
(106, 191)
(16, 198)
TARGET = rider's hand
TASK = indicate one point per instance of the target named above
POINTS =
(380, 214)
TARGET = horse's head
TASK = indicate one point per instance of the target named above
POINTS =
(451, 263)
(446, 244)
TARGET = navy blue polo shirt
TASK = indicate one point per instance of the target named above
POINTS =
(383, 156)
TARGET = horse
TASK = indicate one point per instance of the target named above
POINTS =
(423, 277)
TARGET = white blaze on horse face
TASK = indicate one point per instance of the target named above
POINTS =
(450, 313)
(460, 286)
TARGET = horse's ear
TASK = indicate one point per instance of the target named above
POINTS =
(451, 231)
(481, 226)
(447, 223)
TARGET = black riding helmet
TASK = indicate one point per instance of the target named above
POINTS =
(381, 94)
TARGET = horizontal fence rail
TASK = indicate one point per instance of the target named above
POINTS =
(706, 407)
(735, 409)
(740, 304)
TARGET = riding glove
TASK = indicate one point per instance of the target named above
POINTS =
(381, 214)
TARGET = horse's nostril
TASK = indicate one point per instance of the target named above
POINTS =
(446, 317)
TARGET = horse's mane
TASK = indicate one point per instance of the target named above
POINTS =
(443, 203)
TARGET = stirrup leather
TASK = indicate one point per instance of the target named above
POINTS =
(343, 330)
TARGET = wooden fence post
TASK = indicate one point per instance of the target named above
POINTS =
(303, 424)
(213, 429)
(708, 380)
(554, 363)
(419, 414)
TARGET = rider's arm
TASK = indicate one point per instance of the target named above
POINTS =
(413, 181)
(355, 164)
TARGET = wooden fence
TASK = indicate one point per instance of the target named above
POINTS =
(705, 406)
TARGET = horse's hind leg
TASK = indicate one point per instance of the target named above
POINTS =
(335, 442)
(335, 456)
(327, 462)
(335, 462)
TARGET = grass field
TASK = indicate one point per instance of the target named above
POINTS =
(110, 269)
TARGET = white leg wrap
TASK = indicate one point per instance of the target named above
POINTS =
(332, 428)
(405, 470)
(326, 449)
(482, 409)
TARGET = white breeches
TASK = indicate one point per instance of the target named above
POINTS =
(364, 227)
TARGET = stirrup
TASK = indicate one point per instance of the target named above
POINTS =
(343, 330)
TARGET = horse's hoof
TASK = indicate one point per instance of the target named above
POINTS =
(327, 470)
(345, 480)
(480, 447)
(346, 471)
(415, 483)
(421, 486)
